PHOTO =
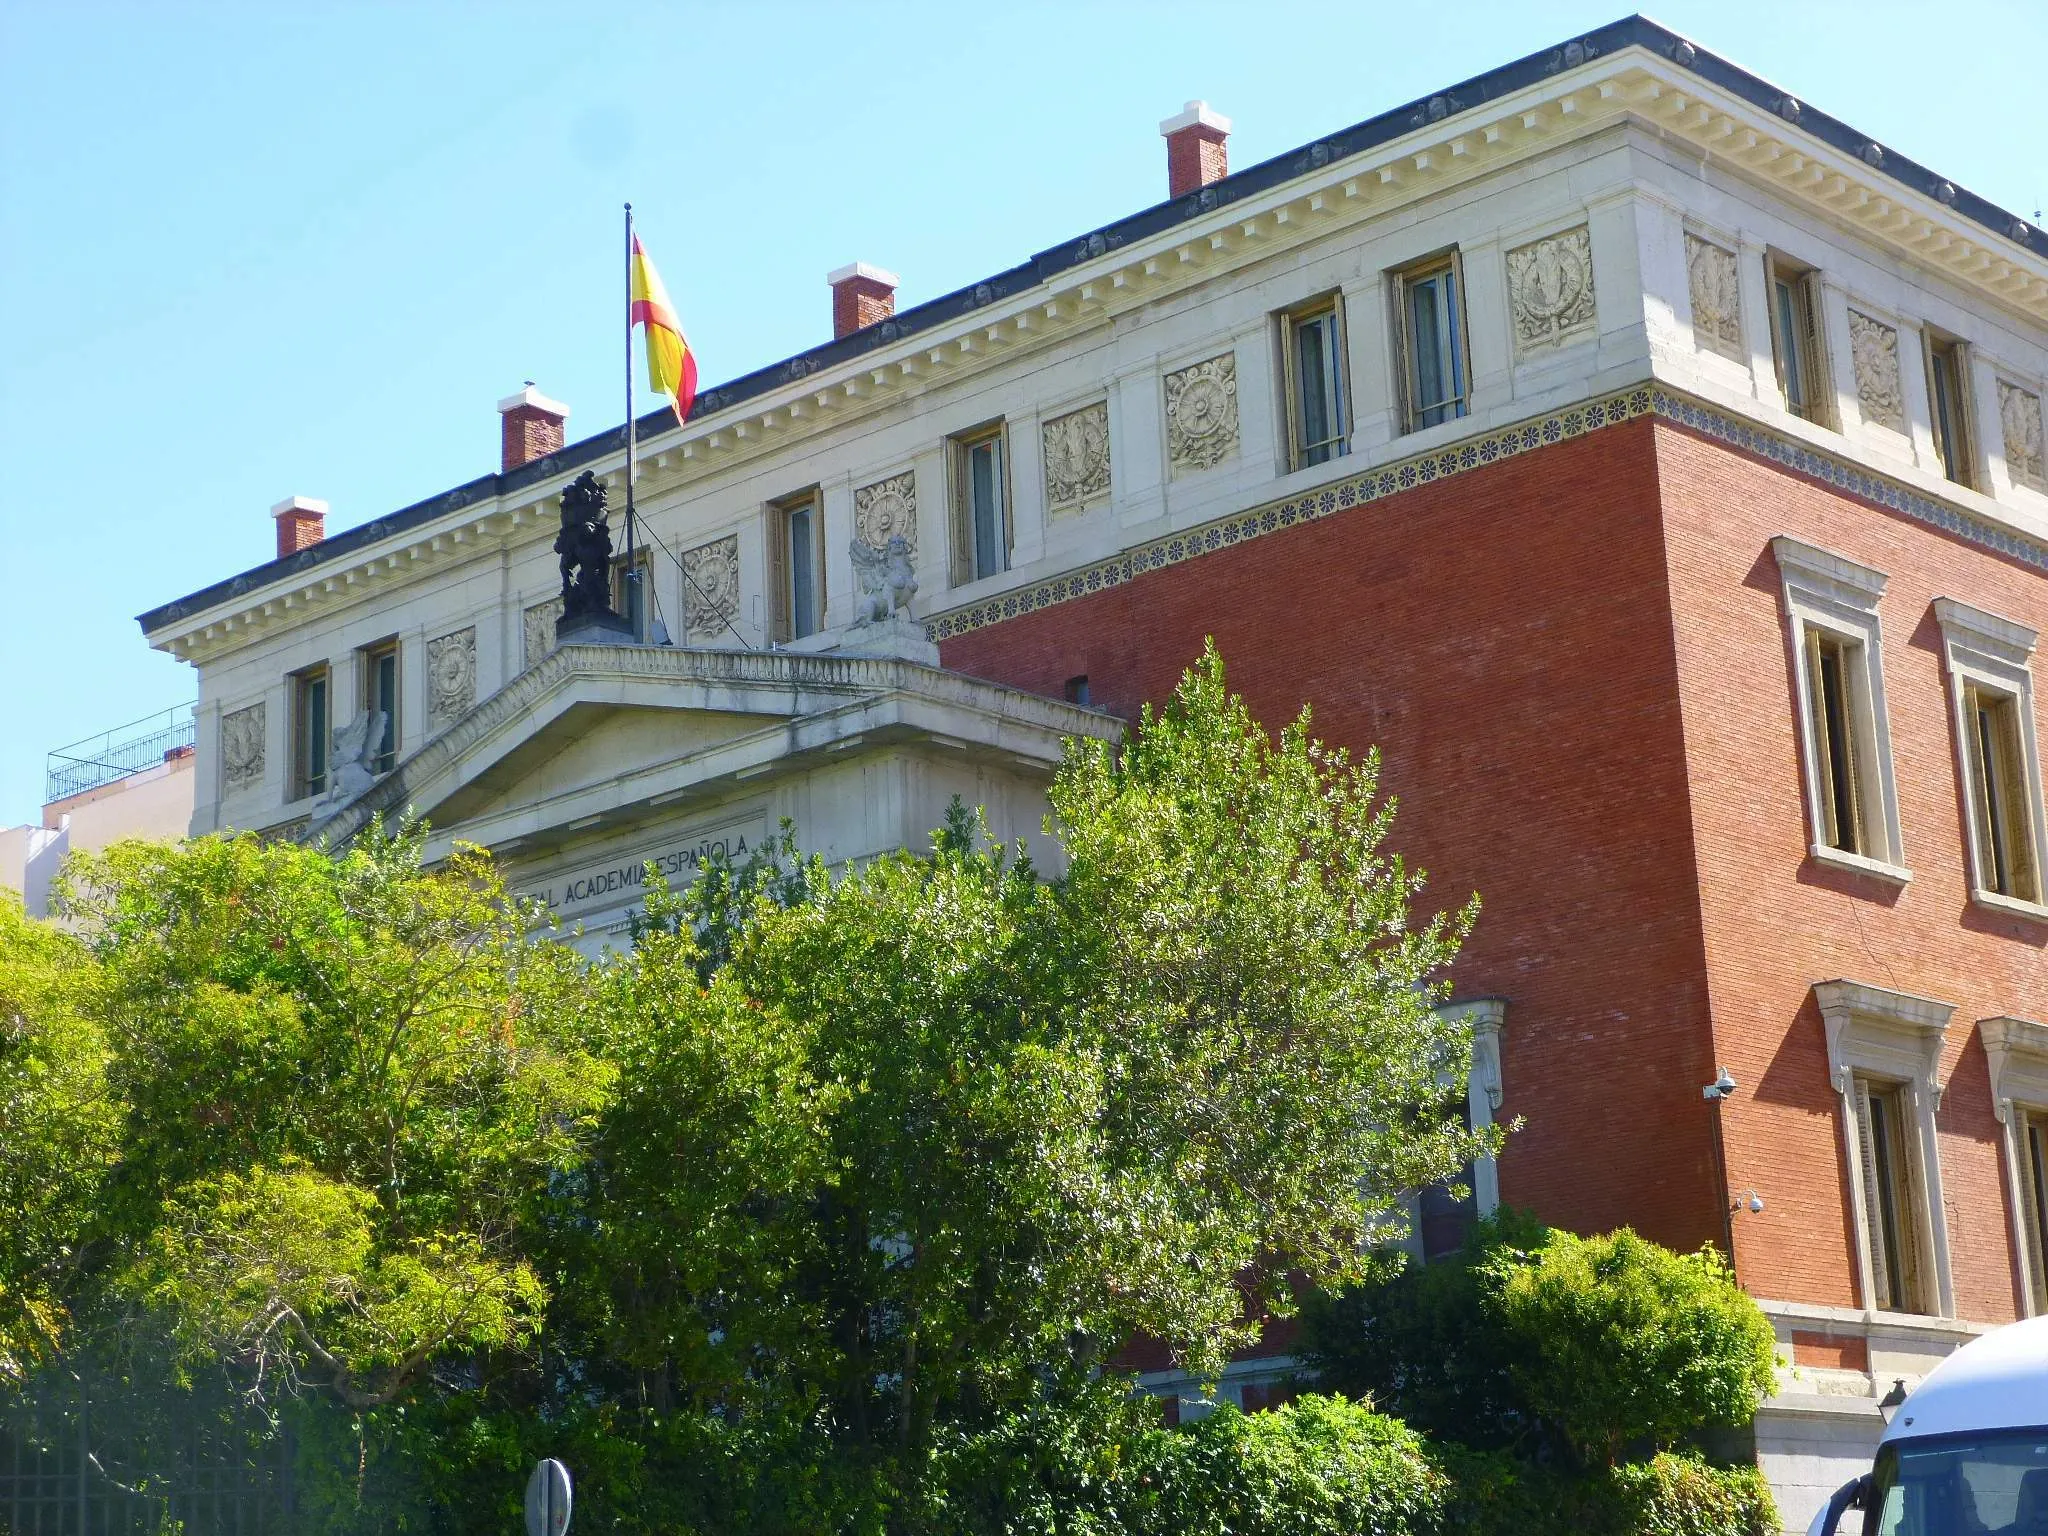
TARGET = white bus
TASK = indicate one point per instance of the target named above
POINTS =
(1966, 1454)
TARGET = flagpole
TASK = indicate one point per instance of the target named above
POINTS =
(633, 606)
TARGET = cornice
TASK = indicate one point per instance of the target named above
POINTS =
(1630, 71)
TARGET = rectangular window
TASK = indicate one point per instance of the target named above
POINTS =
(630, 596)
(1430, 321)
(981, 507)
(311, 726)
(1314, 371)
(2000, 799)
(1948, 407)
(378, 667)
(2033, 1141)
(1841, 759)
(796, 549)
(1890, 1212)
(1796, 338)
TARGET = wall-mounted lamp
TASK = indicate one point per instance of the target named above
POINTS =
(1890, 1404)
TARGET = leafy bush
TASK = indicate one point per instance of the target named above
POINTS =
(1493, 1494)
(1618, 1341)
(1422, 1340)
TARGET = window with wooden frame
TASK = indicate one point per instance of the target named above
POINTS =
(1441, 1215)
(377, 667)
(1884, 1058)
(2016, 1053)
(1797, 344)
(796, 559)
(1891, 1217)
(630, 596)
(1312, 366)
(1838, 685)
(1948, 407)
(312, 731)
(981, 505)
(1998, 761)
(1429, 319)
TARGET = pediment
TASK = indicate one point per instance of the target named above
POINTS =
(601, 733)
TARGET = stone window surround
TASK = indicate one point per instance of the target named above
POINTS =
(1898, 1037)
(2016, 1051)
(1982, 648)
(1486, 1016)
(1832, 593)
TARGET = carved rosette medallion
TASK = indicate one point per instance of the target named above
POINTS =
(242, 737)
(1550, 290)
(1076, 448)
(1716, 300)
(451, 677)
(711, 591)
(540, 629)
(1201, 414)
(2019, 414)
(1875, 347)
(885, 510)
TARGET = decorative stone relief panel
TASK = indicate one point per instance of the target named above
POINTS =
(1550, 290)
(1201, 414)
(451, 678)
(540, 629)
(885, 510)
(2019, 413)
(242, 737)
(1875, 347)
(711, 591)
(1076, 448)
(1716, 301)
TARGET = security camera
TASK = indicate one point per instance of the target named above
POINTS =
(1720, 1087)
(1756, 1203)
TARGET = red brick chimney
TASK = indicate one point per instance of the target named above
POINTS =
(531, 427)
(861, 296)
(301, 523)
(1197, 148)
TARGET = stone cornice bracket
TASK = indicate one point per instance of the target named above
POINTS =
(1885, 1031)
(1487, 1017)
(2017, 1052)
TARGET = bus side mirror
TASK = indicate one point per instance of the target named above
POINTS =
(1851, 1495)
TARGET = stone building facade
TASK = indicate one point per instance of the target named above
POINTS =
(1647, 462)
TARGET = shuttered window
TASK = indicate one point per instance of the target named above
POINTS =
(2000, 794)
(1948, 408)
(1890, 1214)
(1840, 758)
(1796, 341)
(2034, 1194)
(1314, 346)
(1430, 318)
(796, 559)
(311, 729)
(981, 507)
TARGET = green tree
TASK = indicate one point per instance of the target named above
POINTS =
(1622, 1341)
(58, 1125)
(343, 1078)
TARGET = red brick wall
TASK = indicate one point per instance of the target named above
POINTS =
(1504, 637)
(1195, 157)
(1775, 922)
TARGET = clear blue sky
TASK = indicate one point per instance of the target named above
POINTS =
(254, 250)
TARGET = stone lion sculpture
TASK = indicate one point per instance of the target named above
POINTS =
(886, 580)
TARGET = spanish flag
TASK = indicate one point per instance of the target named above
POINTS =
(671, 365)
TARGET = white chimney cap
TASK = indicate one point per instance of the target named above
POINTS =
(299, 504)
(533, 397)
(1195, 115)
(862, 269)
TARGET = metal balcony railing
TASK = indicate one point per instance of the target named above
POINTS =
(117, 753)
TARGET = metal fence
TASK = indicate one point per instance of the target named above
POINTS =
(92, 1459)
(117, 753)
